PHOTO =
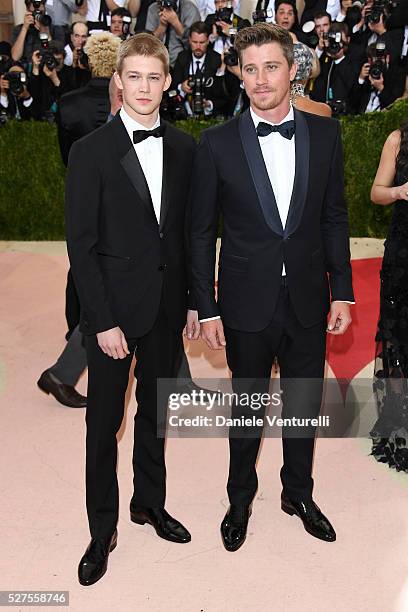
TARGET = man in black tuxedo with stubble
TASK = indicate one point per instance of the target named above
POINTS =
(126, 219)
(275, 175)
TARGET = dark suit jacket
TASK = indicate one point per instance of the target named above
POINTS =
(81, 111)
(122, 261)
(212, 62)
(230, 177)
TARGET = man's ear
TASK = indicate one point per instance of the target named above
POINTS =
(118, 81)
(293, 71)
(167, 82)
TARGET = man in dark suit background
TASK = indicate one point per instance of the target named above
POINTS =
(275, 175)
(201, 59)
(126, 211)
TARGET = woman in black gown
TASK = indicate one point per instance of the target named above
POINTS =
(390, 432)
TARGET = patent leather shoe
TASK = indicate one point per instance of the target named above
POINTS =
(165, 525)
(234, 527)
(311, 516)
(94, 563)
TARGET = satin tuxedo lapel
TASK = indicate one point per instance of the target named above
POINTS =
(171, 173)
(259, 172)
(260, 176)
(301, 180)
(131, 164)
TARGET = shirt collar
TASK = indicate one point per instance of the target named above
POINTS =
(340, 59)
(256, 119)
(131, 125)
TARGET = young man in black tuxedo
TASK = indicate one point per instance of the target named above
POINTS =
(276, 176)
(126, 217)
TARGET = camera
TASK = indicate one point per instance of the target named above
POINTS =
(379, 64)
(339, 107)
(334, 43)
(309, 29)
(198, 83)
(381, 8)
(262, 16)
(167, 4)
(17, 81)
(172, 106)
(223, 14)
(231, 56)
(83, 58)
(126, 22)
(47, 57)
(40, 16)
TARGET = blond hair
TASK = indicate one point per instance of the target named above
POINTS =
(144, 44)
(102, 50)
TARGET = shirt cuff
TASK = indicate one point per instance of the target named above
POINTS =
(28, 102)
(361, 81)
(209, 319)
(343, 301)
(4, 101)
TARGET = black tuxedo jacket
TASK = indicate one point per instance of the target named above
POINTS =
(81, 111)
(123, 262)
(230, 177)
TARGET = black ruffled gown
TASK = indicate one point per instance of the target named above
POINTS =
(390, 432)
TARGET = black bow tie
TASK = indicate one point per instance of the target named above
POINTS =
(139, 135)
(286, 129)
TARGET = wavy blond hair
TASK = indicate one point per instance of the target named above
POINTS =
(102, 51)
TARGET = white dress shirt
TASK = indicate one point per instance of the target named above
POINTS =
(404, 51)
(150, 155)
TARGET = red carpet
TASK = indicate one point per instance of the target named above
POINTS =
(349, 354)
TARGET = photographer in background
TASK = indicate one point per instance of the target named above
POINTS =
(222, 24)
(99, 12)
(338, 72)
(120, 22)
(49, 79)
(60, 12)
(170, 21)
(380, 83)
(196, 75)
(26, 36)
(77, 38)
(16, 102)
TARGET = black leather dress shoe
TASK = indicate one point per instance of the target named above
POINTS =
(234, 527)
(64, 394)
(94, 563)
(165, 525)
(312, 517)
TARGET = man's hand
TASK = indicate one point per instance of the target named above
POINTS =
(339, 318)
(225, 27)
(4, 86)
(52, 75)
(185, 87)
(192, 328)
(365, 69)
(36, 61)
(172, 17)
(212, 332)
(378, 84)
(28, 21)
(113, 343)
(163, 18)
(25, 94)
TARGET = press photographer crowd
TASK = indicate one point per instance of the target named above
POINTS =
(352, 57)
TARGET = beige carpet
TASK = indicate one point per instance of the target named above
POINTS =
(280, 568)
